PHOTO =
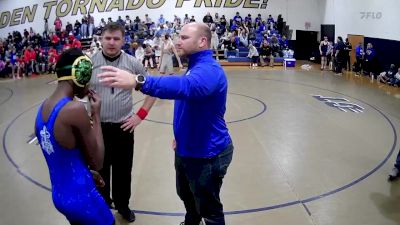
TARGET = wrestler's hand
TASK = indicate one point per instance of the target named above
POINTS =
(114, 77)
(131, 123)
(98, 180)
(95, 102)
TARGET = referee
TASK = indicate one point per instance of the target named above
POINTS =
(118, 119)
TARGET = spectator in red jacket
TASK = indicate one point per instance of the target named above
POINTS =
(30, 58)
(76, 44)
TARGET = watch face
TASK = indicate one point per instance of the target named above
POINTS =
(140, 78)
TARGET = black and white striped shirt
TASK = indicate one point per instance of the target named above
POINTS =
(117, 104)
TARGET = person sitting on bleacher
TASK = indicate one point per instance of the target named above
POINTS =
(76, 43)
(223, 21)
(266, 53)
(270, 22)
(396, 80)
(216, 18)
(161, 31)
(387, 76)
(52, 61)
(243, 35)
(231, 45)
(208, 18)
(258, 19)
(186, 19)
(238, 19)
(287, 53)
(262, 28)
(41, 63)
(102, 24)
(161, 20)
(177, 20)
(283, 42)
(128, 23)
(248, 19)
(136, 23)
(233, 26)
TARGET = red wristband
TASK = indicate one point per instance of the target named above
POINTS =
(142, 113)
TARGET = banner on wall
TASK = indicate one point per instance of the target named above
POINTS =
(65, 8)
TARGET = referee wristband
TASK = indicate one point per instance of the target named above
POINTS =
(142, 113)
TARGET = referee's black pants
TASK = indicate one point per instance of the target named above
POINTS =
(118, 155)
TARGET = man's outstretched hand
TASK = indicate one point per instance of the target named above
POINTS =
(114, 77)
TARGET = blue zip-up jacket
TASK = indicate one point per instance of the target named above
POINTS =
(200, 104)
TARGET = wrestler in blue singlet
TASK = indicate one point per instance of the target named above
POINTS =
(324, 49)
(73, 188)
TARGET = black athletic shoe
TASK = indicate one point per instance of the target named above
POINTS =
(127, 214)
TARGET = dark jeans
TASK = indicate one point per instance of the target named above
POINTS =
(347, 64)
(118, 155)
(198, 184)
(359, 64)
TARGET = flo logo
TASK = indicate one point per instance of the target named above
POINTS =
(371, 15)
(340, 103)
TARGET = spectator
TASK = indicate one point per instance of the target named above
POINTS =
(148, 57)
(238, 19)
(161, 20)
(57, 25)
(323, 50)
(147, 20)
(215, 43)
(266, 53)
(396, 80)
(340, 55)
(46, 28)
(253, 55)
(216, 18)
(386, 77)
(208, 18)
(248, 19)
(90, 19)
(139, 53)
(369, 60)
(347, 49)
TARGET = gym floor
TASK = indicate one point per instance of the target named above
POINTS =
(311, 148)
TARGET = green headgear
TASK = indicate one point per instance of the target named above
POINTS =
(74, 65)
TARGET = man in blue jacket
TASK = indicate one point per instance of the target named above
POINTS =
(204, 147)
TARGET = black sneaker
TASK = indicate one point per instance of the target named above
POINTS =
(127, 214)
(394, 174)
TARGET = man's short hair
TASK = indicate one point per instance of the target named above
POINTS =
(114, 26)
(205, 31)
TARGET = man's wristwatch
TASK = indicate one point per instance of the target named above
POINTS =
(140, 80)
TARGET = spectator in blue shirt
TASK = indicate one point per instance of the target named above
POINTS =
(238, 19)
(161, 20)
(369, 58)
(248, 19)
(258, 19)
(201, 134)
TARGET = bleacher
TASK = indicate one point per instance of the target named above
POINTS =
(243, 60)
